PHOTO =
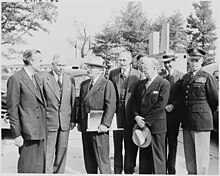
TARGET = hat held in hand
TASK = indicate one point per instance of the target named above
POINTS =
(141, 137)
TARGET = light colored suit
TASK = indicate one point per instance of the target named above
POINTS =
(26, 112)
(60, 112)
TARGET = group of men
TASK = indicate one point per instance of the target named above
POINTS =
(42, 110)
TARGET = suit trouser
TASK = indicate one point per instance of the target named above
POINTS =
(197, 151)
(56, 151)
(152, 159)
(130, 151)
(32, 157)
(171, 142)
(96, 152)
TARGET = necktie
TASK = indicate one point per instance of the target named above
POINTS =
(148, 83)
(168, 76)
(91, 84)
(59, 81)
(34, 80)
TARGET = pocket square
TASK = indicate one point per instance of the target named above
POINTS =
(155, 92)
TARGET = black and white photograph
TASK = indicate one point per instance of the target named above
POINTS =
(110, 87)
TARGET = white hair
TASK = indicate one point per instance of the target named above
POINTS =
(150, 61)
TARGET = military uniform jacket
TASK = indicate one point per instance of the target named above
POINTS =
(61, 108)
(150, 103)
(100, 97)
(26, 107)
(199, 100)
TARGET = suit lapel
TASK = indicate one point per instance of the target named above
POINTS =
(29, 83)
(142, 88)
(117, 80)
(51, 82)
(97, 84)
(152, 85)
(64, 85)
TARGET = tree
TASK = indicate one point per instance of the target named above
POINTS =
(82, 40)
(178, 36)
(20, 19)
(202, 29)
(129, 30)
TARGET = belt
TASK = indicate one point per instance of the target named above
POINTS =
(190, 103)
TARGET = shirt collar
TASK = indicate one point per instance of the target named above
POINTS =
(56, 75)
(95, 79)
(171, 71)
(126, 71)
(30, 74)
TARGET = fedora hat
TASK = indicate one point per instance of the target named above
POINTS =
(167, 56)
(141, 137)
(195, 52)
(96, 61)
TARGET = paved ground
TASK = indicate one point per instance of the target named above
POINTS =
(75, 164)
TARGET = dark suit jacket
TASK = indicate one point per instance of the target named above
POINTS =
(132, 80)
(150, 103)
(100, 97)
(60, 102)
(26, 107)
(175, 86)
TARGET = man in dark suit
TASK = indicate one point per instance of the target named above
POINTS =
(59, 92)
(26, 112)
(151, 96)
(96, 93)
(172, 111)
(199, 100)
(125, 79)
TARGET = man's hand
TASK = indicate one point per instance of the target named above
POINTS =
(140, 121)
(79, 128)
(19, 141)
(169, 107)
(72, 125)
(102, 129)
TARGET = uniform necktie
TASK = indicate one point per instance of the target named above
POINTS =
(191, 75)
(59, 81)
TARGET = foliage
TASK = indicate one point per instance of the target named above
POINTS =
(82, 40)
(19, 19)
(129, 30)
(202, 28)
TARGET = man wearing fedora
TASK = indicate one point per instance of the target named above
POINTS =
(124, 78)
(199, 99)
(172, 110)
(151, 96)
(96, 93)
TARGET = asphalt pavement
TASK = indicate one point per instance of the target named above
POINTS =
(75, 162)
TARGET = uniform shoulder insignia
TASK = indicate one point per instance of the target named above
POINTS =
(201, 80)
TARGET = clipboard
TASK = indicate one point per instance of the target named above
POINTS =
(94, 120)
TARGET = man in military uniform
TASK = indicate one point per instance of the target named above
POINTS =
(200, 99)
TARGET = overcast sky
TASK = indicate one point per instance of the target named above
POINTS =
(96, 13)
